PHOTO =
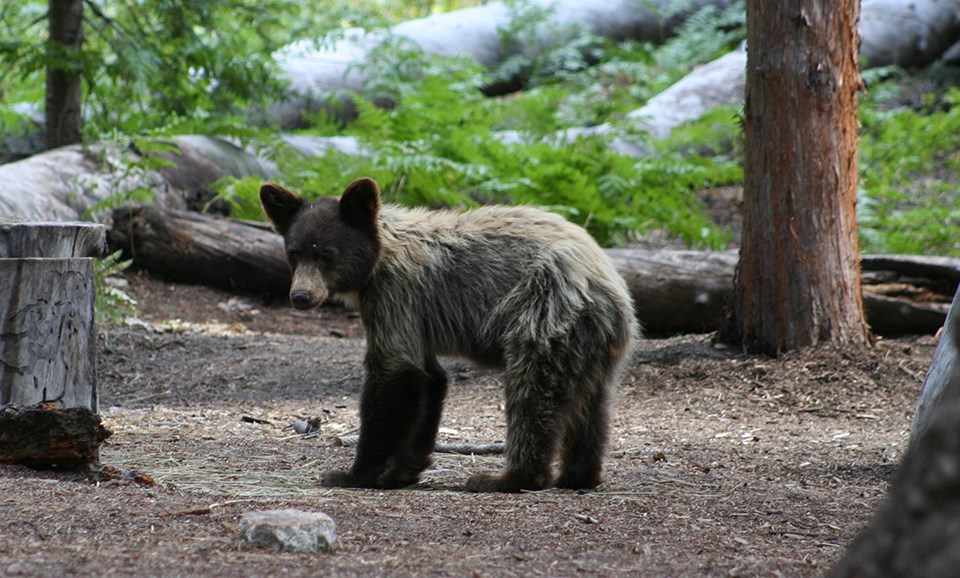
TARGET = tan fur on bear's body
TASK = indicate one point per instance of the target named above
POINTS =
(509, 287)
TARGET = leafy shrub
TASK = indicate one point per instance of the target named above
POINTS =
(909, 177)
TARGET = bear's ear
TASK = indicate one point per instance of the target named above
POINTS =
(360, 203)
(280, 205)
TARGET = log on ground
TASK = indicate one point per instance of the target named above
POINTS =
(45, 436)
(675, 291)
(202, 249)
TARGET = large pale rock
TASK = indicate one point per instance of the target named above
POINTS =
(290, 530)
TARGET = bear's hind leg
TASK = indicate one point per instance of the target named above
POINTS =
(410, 463)
(584, 443)
(391, 405)
(536, 402)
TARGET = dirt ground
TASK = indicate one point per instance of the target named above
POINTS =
(721, 464)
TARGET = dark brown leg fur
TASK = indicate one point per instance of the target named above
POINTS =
(390, 411)
(537, 400)
(584, 443)
(408, 464)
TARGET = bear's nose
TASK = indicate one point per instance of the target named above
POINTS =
(301, 299)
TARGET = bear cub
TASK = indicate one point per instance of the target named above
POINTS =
(515, 288)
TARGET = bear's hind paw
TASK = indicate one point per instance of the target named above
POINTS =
(506, 483)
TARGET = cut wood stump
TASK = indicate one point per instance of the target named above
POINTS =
(44, 435)
(47, 349)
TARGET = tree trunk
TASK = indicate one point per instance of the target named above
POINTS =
(64, 67)
(798, 282)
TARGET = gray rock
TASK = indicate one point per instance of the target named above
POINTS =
(289, 530)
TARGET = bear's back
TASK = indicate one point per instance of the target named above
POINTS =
(448, 281)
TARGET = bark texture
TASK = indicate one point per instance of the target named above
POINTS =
(47, 339)
(195, 248)
(45, 436)
(798, 283)
(64, 67)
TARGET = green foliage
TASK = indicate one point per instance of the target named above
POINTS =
(540, 50)
(909, 174)
(111, 303)
(132, 164)
(446, 156)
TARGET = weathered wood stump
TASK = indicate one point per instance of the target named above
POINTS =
(47, 351)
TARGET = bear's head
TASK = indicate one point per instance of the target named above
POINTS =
(332, 244)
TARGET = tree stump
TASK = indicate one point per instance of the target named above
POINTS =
(47, 351)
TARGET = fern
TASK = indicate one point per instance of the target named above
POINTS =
(111, 303)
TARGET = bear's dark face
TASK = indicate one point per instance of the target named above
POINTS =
(332, 245)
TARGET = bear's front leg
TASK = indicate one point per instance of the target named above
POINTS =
(391, 405)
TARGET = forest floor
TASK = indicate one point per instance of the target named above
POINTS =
(720, 463)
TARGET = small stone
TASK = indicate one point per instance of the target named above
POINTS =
(289, 530)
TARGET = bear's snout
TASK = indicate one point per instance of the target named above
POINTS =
(301, 299)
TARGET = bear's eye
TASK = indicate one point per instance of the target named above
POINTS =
(293, 256)
(325, 255)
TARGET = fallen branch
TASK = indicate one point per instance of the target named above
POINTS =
(440, 448)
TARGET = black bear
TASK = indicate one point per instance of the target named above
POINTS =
(511, 287)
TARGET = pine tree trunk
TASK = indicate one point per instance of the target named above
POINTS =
(64, 80)
(797, 282)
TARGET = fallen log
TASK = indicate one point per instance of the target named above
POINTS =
(45, 436)
(319, 69)
(64, 183)
(675, 291)
(192, 247)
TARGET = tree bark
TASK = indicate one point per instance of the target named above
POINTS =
(64, 67)
(798, 282)
(46, 332)
(47, 349)
(45, 436)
